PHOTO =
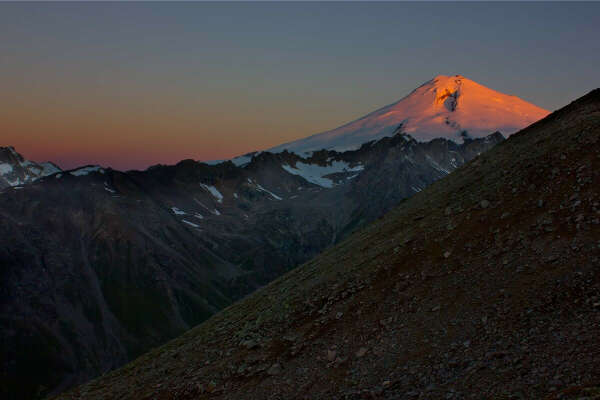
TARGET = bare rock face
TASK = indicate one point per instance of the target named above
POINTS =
(16, 170)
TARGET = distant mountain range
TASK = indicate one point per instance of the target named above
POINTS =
(484, 285)
(98, 266)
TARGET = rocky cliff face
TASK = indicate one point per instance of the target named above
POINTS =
(98, 266)
(15, 170)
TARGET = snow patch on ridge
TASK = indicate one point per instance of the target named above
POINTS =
(315, 173)
(185, 221)
(262, 189)
(87, 170)
(108, 189)
(213, 162)
(5, 169)
(213, 190)
(48, 168)
(241, 161)
(177, 211)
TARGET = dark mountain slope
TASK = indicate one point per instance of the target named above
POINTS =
(98, 266)
(484, 285)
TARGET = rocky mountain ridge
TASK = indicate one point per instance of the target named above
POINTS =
(16, 170)
(131, 259)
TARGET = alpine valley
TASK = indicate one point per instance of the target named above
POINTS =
(98, 266)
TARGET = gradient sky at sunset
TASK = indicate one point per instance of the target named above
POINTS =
(128, 85)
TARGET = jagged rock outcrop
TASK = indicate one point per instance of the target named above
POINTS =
(15, 170)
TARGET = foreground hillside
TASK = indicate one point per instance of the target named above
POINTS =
(484, 285)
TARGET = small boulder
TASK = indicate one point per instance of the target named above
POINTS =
(250, 344)
(331, 355)
(361, 352)
(274, 370)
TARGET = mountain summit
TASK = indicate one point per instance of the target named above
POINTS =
(452, 107)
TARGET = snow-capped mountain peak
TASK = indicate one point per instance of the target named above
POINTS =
(16, 170)
(452, 107)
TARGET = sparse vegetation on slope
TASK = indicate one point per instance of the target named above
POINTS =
(484, 285)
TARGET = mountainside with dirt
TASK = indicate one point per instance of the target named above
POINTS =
(485, 284)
